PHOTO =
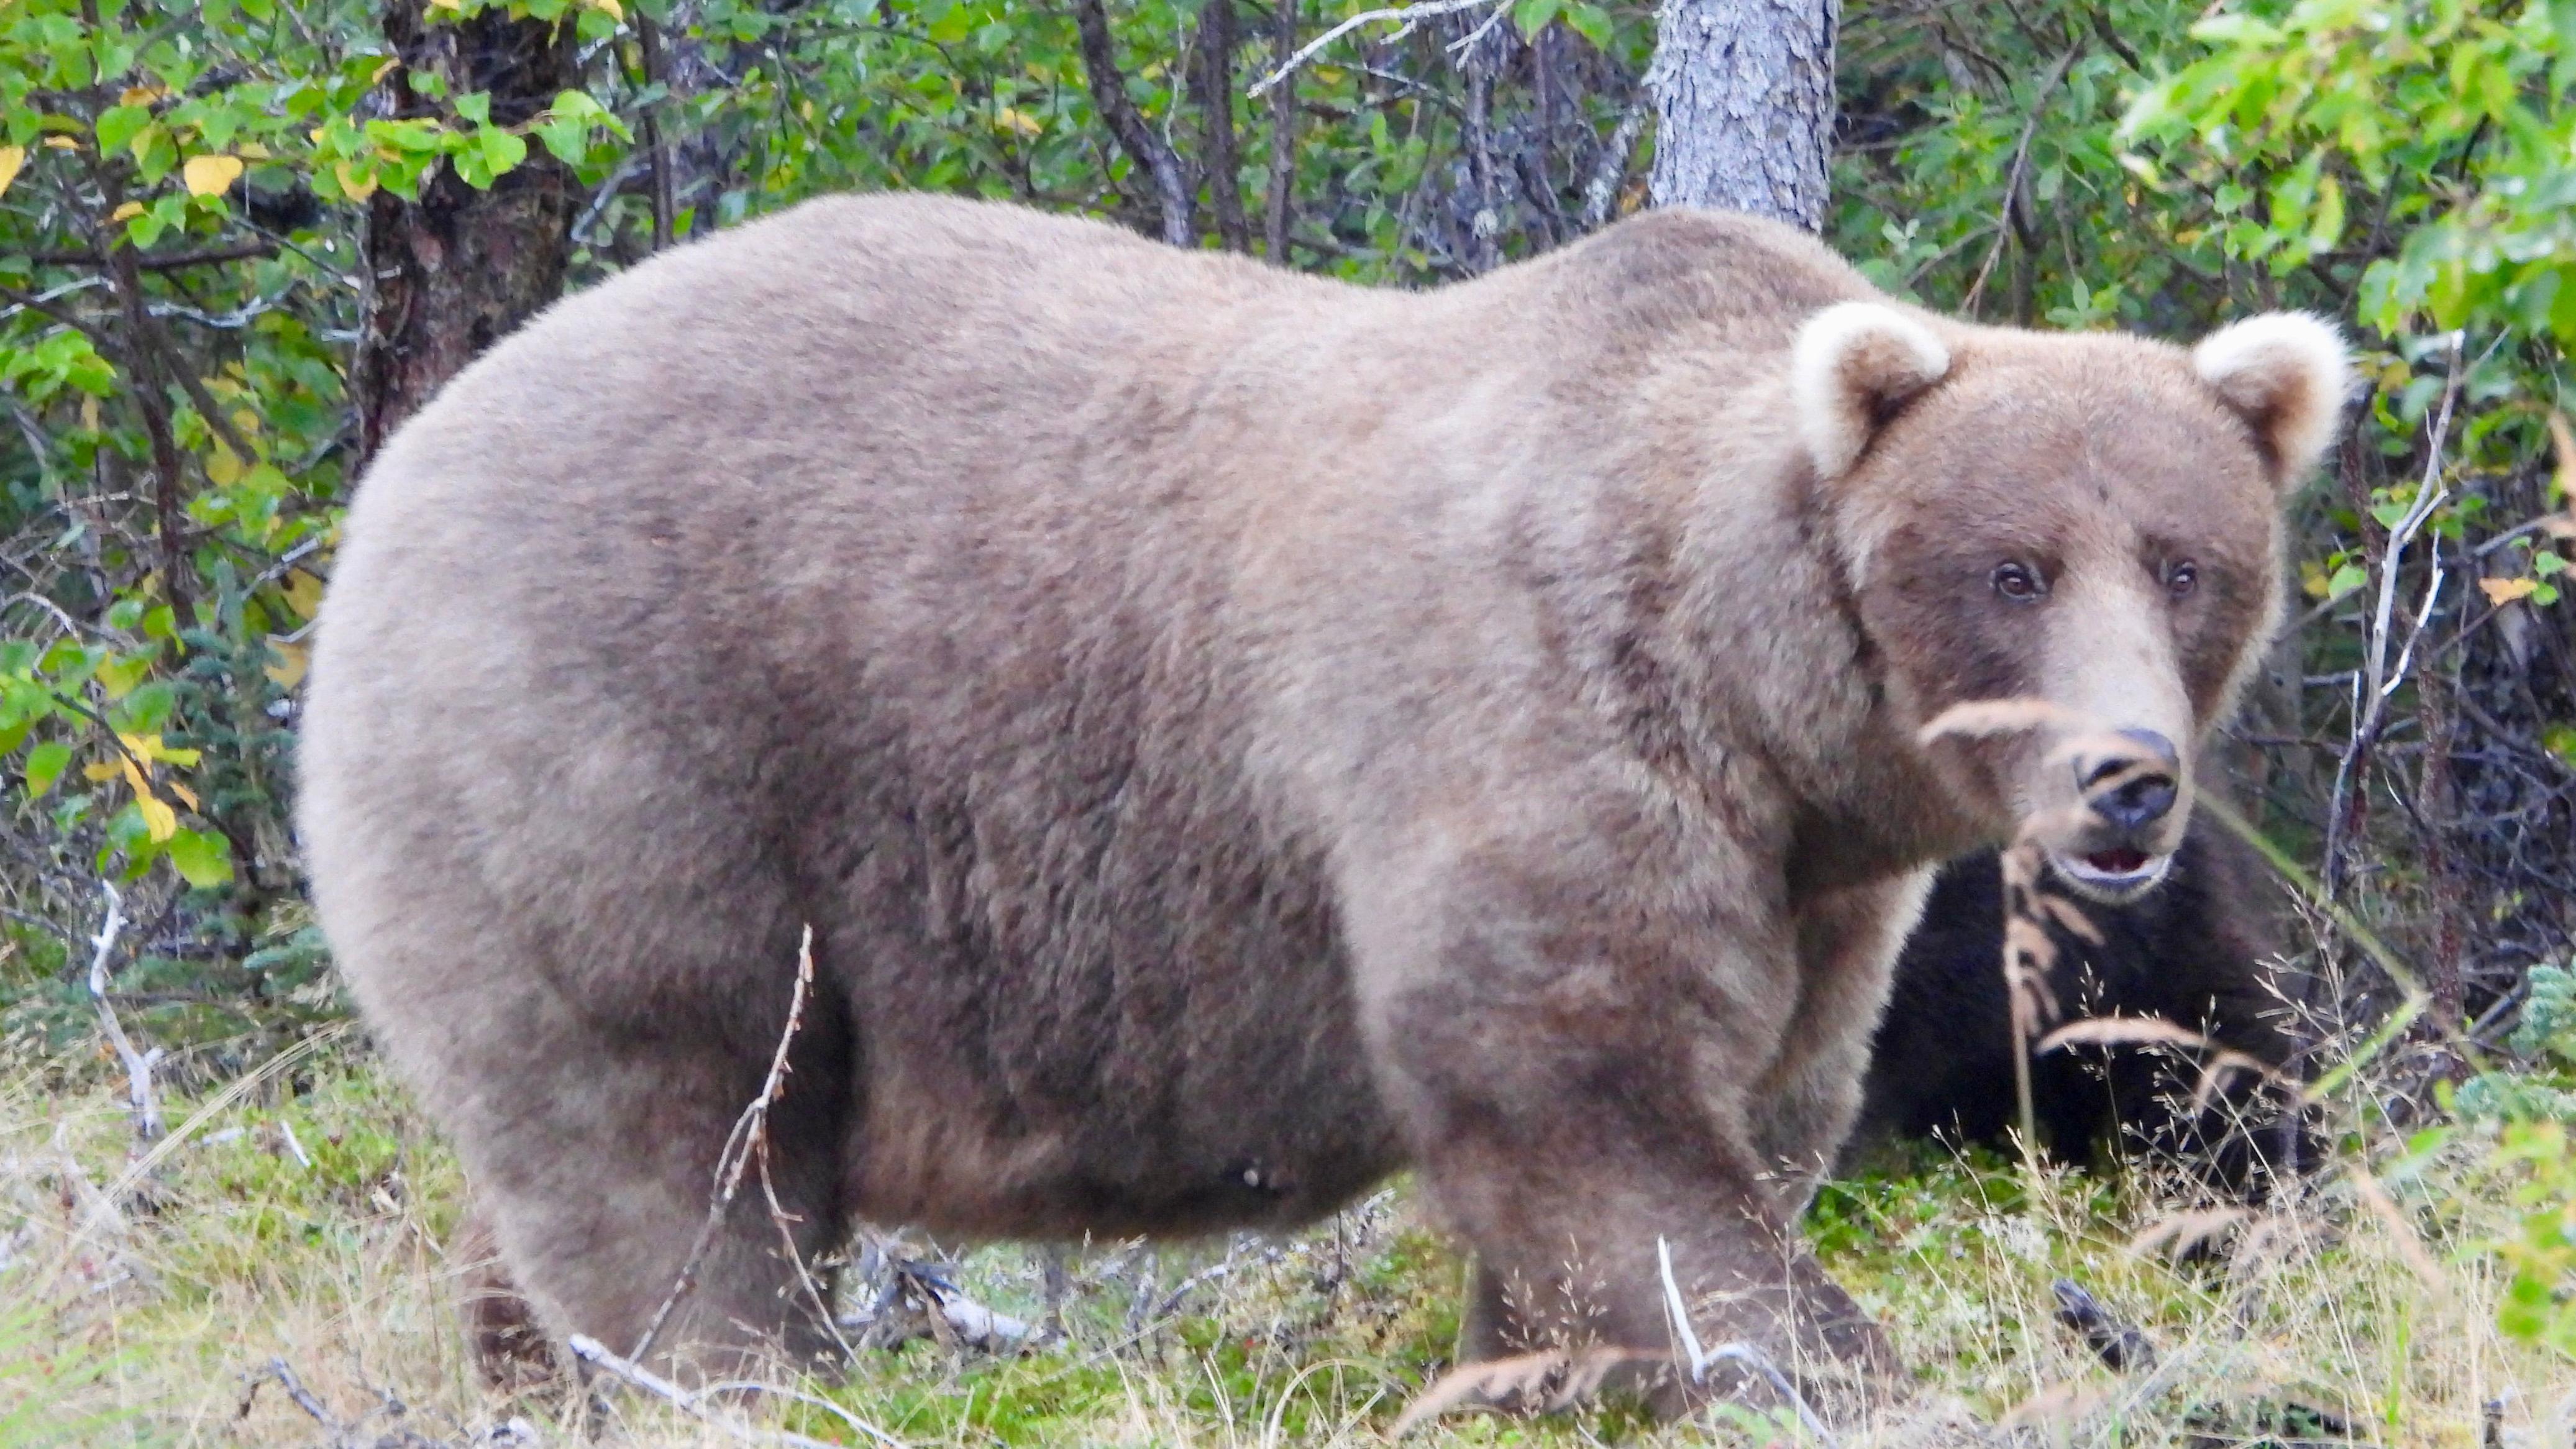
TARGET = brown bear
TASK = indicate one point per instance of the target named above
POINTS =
(2202, 951)
(1233, 735)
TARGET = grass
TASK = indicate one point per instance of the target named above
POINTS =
(298, 1224)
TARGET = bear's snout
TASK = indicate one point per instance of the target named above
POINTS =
(2133, 787)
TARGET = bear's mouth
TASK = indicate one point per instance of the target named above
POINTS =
(2112, 876)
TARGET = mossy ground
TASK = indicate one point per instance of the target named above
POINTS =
(298, 1222)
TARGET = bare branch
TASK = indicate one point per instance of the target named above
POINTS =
(2013, 178)
(749, 1139)
(598, 1355)
(1146, 149)
(1407, 14)
(164, 261)
(1283, 140)
(138, 1065)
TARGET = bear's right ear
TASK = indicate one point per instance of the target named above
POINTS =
(1852, 364)
(2288, 375)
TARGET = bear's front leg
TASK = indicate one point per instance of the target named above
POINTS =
(1806, 1102)
(1574, 1050)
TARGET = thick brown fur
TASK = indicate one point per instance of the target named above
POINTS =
(1232, 735)
(2204, 952)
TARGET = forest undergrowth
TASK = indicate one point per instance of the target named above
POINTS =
(272, 1270)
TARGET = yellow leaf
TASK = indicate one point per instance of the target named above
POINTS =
(211, 175)
(98, 770)
(150, 747)
(609, 8)
(158, 818)
(222, 468)
(288, 671)
(141, 95)
(1014, 119)
(131, 208)
(186, 796)
(356, 187)
(251, 151)
(62, 143)
(2504, 591)
(303, 593)
(11, 158)
(246, 422)
(391, 65)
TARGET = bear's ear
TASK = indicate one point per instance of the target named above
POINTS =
(2287, 374)
(1852, 364)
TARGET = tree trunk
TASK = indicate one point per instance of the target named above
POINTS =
(1744, 99)
(458, 269)
(1215, 99)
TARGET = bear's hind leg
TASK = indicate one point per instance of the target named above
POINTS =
(501, 1330)
(602, 1184)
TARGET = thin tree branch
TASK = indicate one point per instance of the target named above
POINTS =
(1405, 13)
(1283, 140)
(748, 1140)
(163, 261)
(138, 1065)
(1213, 78)
(1602, 191)
(1148, 150)
(657, 146)
(2012, 180)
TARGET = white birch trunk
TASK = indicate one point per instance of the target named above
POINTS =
(1744, 104)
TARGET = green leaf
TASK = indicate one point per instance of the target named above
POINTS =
(501, 150)
(202, 856)
(45, 764)
(2346, 579)
(1533, 16)
(119, 125)
(1592, 23)
(2560, 740)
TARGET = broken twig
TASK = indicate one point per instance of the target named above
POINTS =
(138, 1065)
(591, 1351)
(749, 1139)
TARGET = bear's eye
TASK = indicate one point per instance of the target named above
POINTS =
(2019, 582)
(2181, 577)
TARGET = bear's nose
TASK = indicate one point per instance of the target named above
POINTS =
(2134, 786)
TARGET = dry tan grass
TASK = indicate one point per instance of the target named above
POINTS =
(300, 1224)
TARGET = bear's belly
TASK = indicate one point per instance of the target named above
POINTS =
(1183, 1072)
(1256, 1151)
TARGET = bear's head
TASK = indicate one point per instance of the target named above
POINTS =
(2065, 550)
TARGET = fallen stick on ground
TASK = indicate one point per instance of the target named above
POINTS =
(591, 1351)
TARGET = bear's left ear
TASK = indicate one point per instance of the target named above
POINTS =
(1852, 364)
(2287, 374)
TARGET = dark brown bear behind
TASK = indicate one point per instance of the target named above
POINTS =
(2200, 952)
